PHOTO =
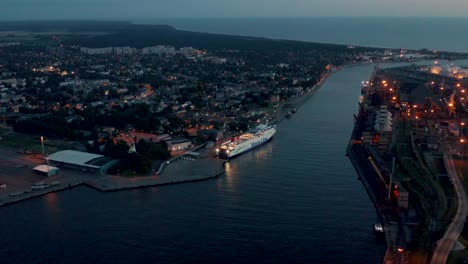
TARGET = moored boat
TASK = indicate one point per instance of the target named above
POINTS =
(240, 144)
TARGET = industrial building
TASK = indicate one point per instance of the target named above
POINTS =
(83, 161)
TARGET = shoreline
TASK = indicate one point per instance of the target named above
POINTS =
(207, 169)
(298, 102)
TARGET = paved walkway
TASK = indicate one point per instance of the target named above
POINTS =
(19, 178)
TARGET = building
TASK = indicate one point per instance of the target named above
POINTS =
(178, 144)
(45, 170)
(83, 161)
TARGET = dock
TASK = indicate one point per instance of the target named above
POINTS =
(176, 170)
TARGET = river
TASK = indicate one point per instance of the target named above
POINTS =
(296, 199)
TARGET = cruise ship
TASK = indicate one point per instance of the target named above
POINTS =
(245, 142)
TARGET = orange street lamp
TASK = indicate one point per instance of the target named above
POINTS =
(42, 143)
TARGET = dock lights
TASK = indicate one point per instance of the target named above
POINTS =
(400, 250)
(458, 85)
(462, 140)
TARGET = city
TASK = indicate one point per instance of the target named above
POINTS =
(166, 133)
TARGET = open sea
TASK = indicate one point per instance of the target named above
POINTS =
(448, 34)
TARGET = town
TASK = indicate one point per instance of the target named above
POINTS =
(120, 96)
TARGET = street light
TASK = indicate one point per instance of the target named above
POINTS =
(462, 145)
(42, 143)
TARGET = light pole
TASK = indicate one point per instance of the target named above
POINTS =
(462, 141)
(42, 144)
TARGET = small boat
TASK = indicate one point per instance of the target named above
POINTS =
(378, 228)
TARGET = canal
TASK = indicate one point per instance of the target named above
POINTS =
(296, 199)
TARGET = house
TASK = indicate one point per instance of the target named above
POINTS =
(177, 144)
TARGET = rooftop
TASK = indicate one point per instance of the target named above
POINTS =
(76, 158)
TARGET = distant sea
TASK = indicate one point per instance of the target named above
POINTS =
(449, 34)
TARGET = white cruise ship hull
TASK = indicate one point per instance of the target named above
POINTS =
(248, 145)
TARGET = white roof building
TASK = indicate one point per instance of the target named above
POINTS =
(73, 158)
(46, 170)
(383, 121)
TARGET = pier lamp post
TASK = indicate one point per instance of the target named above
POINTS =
(42, 144)
(462, 145)
(462, 128)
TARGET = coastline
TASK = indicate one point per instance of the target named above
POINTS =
(297, 102)
(175, 172)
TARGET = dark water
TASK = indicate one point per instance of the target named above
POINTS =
(411, 33)
(295, 200)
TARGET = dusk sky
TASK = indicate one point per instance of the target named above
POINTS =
(142, 9)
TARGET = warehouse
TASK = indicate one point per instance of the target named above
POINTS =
(83, 161)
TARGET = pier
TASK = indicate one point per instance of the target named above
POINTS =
(176, 170)
(377, 180)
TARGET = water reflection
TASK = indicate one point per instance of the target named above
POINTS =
(264, 151)
(51, 202)
(229, 182)
(233, 169)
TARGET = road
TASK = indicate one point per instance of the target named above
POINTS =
(445, 244)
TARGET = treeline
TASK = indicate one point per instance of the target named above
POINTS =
(49, 127)
(139, 162)
(138, 116)
(139, 36)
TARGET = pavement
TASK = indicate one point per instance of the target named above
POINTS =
(178, 171)
(18, 177)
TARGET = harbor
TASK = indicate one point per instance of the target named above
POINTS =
(405, 145)
(175, 170)
(273, 201)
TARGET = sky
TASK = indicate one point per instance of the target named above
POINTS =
(147, 9)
